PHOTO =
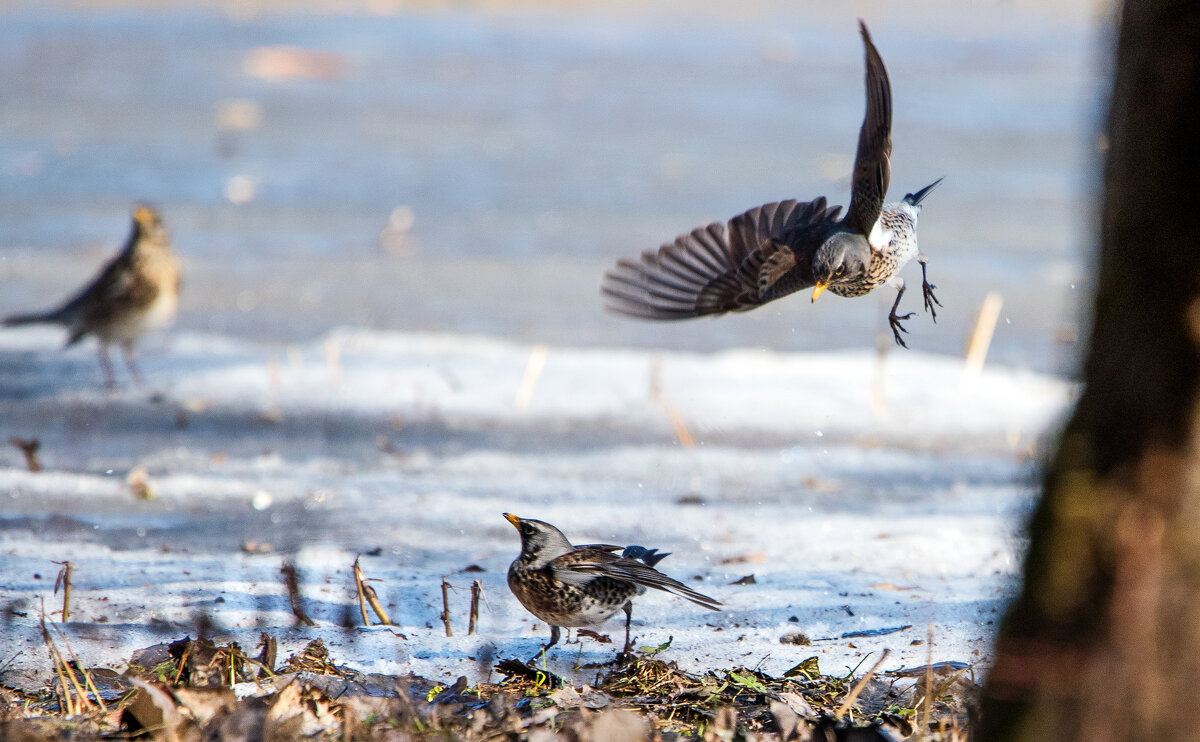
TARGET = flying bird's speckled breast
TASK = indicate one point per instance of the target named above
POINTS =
(886, 263)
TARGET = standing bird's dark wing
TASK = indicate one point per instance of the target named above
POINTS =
(718, 268)
(872, 168)
(582, 565)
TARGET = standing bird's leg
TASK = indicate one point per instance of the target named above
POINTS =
(554, 635)
(131, 363)
(894, 319)
(927, 288)
(110, 379)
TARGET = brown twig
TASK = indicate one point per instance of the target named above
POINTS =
(858, 687)
(476, 591)
(29, 447)
(292, 579)
(367, 596)
(446, 606)
(266, 657)
(928, 683)
(373, 601)
(362, 598)
(64, 579)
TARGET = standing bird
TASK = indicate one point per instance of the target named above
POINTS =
(137, 291)
(779, 248)
(567, 585)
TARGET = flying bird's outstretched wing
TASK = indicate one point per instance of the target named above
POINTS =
(872, 166)
(718, 268)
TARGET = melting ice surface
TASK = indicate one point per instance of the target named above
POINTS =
(406, 448)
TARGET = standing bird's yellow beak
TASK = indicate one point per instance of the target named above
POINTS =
(818, 289)
(513, 519)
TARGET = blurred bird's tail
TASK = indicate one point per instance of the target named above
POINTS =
(52, 317)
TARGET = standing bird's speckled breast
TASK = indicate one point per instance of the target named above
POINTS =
(561, 604)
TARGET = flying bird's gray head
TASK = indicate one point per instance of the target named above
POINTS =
(843, 258)
(540, 541)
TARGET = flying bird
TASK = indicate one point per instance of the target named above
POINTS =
(780, 248)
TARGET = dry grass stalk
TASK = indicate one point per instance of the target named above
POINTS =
(29, 447)
(333, 360)
(274, 375)
(533, 372)
(292, 579)
(71, 704)
(138, 480)
(64, 580)
(476, 591)
(927, 712)
(655, 390)
(682, 434)
(87, 676)
(858, 687)
(446, 606)
(981, 336)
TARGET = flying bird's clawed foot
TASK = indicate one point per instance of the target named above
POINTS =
(894, 319)
(927, 289)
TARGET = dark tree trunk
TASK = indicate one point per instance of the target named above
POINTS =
(1103, 643)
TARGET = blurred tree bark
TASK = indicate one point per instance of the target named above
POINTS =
(1103, 643)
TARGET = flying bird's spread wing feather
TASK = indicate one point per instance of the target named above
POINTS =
(583, 564)
(716, 268)
(872, 167)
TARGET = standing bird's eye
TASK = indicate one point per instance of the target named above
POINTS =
(840, 270)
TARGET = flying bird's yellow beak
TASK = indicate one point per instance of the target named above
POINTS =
(818, 289)
(513, 519)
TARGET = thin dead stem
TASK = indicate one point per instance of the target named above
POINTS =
(64, 580)
(858, 687)
(446, 606)
(476, 591)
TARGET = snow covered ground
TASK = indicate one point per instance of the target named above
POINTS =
(862, 491)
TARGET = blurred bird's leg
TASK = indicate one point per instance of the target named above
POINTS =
(927, 288)
(110, 379)
(894, 319)
(127, 350)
